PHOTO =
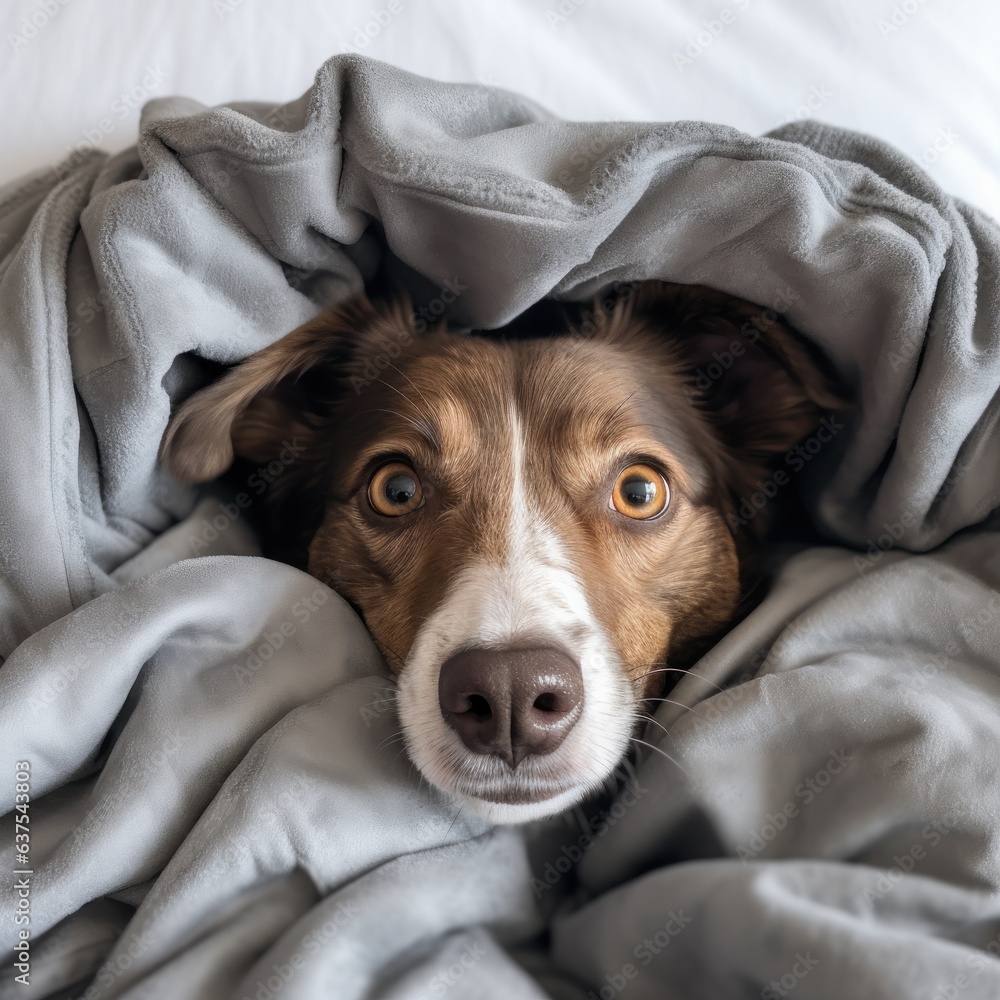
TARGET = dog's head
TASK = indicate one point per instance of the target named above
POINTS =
(532, 529)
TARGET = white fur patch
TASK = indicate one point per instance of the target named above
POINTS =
(534, 595)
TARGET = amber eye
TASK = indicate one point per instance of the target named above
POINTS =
(640, 492)
(395, 490)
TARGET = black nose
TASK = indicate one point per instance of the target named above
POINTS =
(511, 702)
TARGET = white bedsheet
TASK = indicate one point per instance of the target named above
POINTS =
(922, 74)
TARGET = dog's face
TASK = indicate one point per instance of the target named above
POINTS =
(530, 529)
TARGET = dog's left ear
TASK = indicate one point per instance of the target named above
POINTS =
(285, 391)
(764, 386)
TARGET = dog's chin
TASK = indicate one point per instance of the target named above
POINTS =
(488, 788)
(523, 810)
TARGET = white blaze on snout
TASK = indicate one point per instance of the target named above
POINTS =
(530, 595)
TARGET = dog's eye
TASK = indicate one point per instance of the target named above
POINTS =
(395, 490)
(640, 492)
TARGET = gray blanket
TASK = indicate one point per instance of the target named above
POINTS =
(203, 740)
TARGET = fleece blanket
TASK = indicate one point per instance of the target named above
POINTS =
(204, 792)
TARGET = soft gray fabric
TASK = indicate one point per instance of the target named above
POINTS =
(219, 804)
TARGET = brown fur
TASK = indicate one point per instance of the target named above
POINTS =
(357, 385)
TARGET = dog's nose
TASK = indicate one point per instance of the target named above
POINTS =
(511, 702)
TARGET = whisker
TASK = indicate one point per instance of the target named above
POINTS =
(436, 440)
(614, 413)
(455, 820)
(389, 740)
(649, 718)
(384, 645)
(679, 670)
(635, 739)
(630, 772)
(389, 385)
(670, 701)
(423, 427)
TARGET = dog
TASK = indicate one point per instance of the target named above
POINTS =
(535, 528)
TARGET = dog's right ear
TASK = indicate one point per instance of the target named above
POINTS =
(275, 395)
